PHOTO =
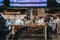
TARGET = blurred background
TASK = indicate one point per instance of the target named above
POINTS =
(33, 14)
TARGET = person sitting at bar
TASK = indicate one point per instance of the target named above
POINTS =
(36, 20)
(41, 20)
(18, 27)
(8, 22)
(19, 22)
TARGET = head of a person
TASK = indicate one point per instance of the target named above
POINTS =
(40, 17)
(8, 19)
(45, 23)
(57, 17)
(51, 18)
(3, 9)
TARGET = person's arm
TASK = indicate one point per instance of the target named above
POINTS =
(22, 23)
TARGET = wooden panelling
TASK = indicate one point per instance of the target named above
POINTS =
(15, 16)
(12, 13)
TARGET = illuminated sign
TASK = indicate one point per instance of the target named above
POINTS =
(28, 3)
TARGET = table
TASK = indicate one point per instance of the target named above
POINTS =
(31, 26)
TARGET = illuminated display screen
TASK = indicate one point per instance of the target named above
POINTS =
(28, 3)
(1, 2)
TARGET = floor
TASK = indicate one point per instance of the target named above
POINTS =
(28, 37)
(33, 36)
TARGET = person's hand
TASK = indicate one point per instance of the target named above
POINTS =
(45, 24)
(9, 28)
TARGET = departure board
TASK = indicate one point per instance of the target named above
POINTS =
(28, 3)
(1, 2)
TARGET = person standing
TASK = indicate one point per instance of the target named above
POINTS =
(3, 30)
(58, 24)
(19, 23)
(41, 21)
(52, 24)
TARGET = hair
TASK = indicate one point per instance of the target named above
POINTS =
(3, 8)
(58, 17)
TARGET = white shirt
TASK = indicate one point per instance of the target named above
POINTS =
(27, 22)
(52, 24)
(40, 21)
(19, 22)
(57, 21)
(2, 14)
(36, 21)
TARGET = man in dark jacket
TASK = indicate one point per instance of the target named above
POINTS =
(3, 30)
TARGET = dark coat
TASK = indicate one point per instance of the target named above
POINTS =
(2, 22)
